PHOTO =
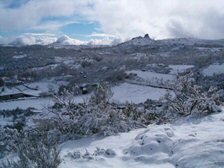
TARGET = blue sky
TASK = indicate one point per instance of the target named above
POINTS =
(73, 25)
(108, 20)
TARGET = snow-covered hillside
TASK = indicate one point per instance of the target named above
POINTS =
(84, 92)
(175, 69)
(139, 41)
(189, 144)
(133, 93)
(214, 69)
(149, 76)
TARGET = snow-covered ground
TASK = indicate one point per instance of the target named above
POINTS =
(19, 56)
(175, 69)
(152, 76)
(35, 88)
(199, 143)
(213, 69)
(136, 93)
(37, 103)
(52, 66)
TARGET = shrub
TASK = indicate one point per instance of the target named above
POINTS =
(2, 83)
(190, 99)
(35, 149)
(96, 116)
(116, 76)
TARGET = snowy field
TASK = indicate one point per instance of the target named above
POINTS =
(199, 143)
(213, 69)
(136, 93)
(19, 56)
(152, 76)
(37, 103)
(35, 88)
(175, 69)
(121, 94)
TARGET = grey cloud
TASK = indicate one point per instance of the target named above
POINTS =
(161, 18)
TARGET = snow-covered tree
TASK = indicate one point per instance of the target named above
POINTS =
(190, 98)
(35, 149)
(95, 116)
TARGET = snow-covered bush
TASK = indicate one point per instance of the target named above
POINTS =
(116, 76)
(98, 154)
(96, 116)
(101, 96)
(190, 99)
(2, 83)
(35, 149)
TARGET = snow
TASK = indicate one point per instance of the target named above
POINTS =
(19, 56)
(37, 103)
(153, 77)
(52, 67)
(8, 91)
(175, 69)
(44, 86)
(116, 143)
(198, 143)
(184, 41)
(213, 69)
(139, 41)
(34, 88)
(192, 144)
(136, 93)
(5, 121)
(65, 60)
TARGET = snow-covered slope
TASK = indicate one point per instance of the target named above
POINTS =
(139, 41)
(153, 76)
(175, 69)
(214, 69)
(136, 93)
(199, 143)
(190, 42)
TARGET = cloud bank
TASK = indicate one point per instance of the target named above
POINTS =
(34, 39)
(161, 18)
(45, 39)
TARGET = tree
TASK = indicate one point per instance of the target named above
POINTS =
(2, 83)
(190, 98)
(35, 149)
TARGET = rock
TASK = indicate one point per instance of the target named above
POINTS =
(147, 36)
(109, 153)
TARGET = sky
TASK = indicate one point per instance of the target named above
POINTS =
(106, 21)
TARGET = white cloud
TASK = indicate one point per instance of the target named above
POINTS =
(102, 35)
(45, 39)
(52, 26)
(34, 38)
(103, 41)
(66, 40)
(30, 14)
(160, 18)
